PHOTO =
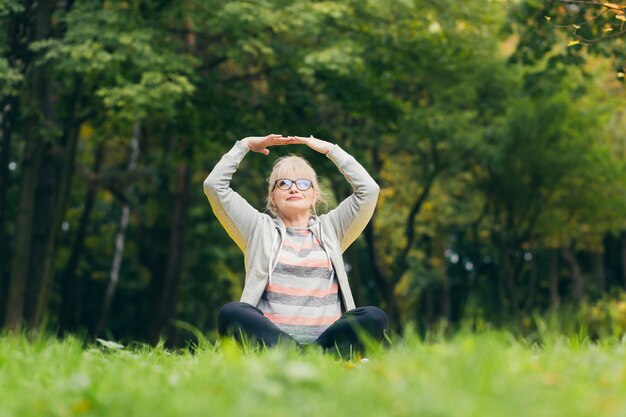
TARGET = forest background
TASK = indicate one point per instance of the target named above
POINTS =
(496, 130)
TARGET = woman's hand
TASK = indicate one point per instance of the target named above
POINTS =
(318, 145)
(260, 143)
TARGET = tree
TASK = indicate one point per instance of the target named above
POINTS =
(83, 55)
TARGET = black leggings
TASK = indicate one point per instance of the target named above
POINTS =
(243, 320)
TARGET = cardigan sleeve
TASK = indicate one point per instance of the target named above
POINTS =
(235, 214)
(351, 216)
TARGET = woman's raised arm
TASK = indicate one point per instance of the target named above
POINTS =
(351, 216)
(235, 214)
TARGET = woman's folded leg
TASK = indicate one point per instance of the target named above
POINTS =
(245, 322)
(346, 333)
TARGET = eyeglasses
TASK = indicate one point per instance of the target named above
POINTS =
(285, 184)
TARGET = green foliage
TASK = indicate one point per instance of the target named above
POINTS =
(10, 79)
(128, 61)
(606, 317)
(514, 141)
(9, 7)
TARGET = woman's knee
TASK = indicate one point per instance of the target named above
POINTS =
(228, 310)
(230, 313)
(377, 316)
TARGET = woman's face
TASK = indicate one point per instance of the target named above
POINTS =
(293, 201)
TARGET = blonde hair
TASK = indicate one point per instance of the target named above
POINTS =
(286, 166)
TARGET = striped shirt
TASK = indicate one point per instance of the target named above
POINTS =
(303, 297)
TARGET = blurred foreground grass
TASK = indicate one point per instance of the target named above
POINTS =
(485, 374)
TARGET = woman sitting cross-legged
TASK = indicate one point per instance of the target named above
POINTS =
(296, 288)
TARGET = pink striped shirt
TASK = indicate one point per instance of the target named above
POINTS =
(303, 299)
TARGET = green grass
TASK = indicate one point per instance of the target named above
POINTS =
(486, 374)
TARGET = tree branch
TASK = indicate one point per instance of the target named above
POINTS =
(615, 8)
(611, 6)
(401, 264)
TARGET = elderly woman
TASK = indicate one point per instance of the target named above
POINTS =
(296, 288)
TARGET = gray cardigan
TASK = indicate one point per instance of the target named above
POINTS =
(260, 236)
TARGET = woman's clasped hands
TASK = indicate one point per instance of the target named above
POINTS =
(261, 143)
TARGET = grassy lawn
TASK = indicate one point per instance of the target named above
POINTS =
(486, 374)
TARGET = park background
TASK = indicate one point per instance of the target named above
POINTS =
(496, 130)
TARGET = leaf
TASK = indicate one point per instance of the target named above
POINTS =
(548, 18)
(575, 26)
(572, 43)
(612, 6)
(621, 17)
(109, 344)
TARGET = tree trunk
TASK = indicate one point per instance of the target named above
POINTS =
(37, 105)
(568, 256)
(504, 282)
(386, 285)
(377, 268)
(17, 56)
(55, 176)
(356, 277)
(23, 234)
(46, 188)
(599, 276)
(511, 279)
(502, 298)
(532, 283)
(167, 301)
(624, 258)
(554, 281)
(120, 238)
(445, 299)
(71, 288)
(4, 175)
(429, 307)
(65, 173)
(7, 121)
